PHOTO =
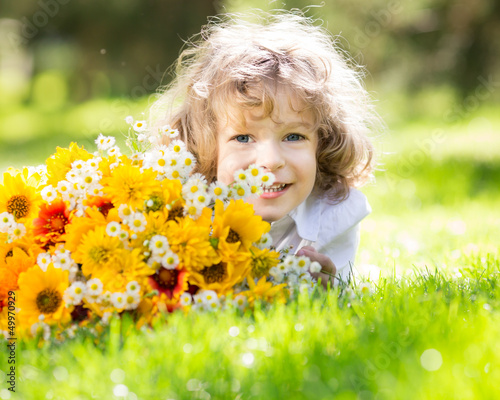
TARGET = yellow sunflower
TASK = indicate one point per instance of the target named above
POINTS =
(126, 266)
(10, 269)
(191, 242)
(79, 226)
(221, 276)
(237, 224)
(26, 244)
(167, 195)
(130, 185)
(19, 196)
(262, 261)
(96, 250)
(59, 163)
(265, 291)
(42, 293)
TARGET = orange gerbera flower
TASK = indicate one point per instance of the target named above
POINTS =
(50, 226)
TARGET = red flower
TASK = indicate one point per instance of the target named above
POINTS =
(50, 226)
(171, 282)
(103, 204)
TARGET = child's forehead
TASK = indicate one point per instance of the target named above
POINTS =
(286, 109)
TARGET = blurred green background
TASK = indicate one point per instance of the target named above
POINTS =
(72, 69)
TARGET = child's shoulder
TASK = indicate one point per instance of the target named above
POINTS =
(318, 216)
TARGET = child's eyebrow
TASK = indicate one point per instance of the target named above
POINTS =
(292, 125)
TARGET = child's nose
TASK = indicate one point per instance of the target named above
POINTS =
(270, 156)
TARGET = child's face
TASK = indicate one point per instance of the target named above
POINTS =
(287, 148)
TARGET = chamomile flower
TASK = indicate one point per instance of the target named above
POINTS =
(114, 151)
(240, 301)
(301, 264)
(140, 126)
(193, 209)
(113, 228)
(194, 186)
(240, 191)
(265, 241)
(118, 300)
(170, 260)
(79, 288)
(168, 131)
(283, 268)
(62, 259)
(158, 245)
(132, 300)
(186, 299)
(241, 176)
(218, 190)
(48, 193)
(104, 142)
(17, 231)
(125, 211)
(94, 287)
(267, 179)
(65, 189)
(177, 146)
(6, 221)
(187, 160)
(133, 287)
(43, 260)
(123, 235)
(137, 222)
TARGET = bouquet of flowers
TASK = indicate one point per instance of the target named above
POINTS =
(89, 236)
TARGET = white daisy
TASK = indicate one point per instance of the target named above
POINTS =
(132, 300)
(170, 260)
(94, 287)
(17, 231)
(104, 142)
(43, 260)
(113, 228)
(133, 287)
(186, 299)
(140, 126)
(118, 300)
(158, 245)
(240, 301)
(48, 193)
(168, 131)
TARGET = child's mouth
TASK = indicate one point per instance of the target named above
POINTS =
(274, 191)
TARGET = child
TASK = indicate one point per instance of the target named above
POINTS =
(280, 95)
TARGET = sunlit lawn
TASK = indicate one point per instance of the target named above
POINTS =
(430, 333)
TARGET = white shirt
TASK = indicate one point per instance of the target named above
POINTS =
(332, 229)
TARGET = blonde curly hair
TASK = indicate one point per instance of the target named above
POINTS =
(234, 62)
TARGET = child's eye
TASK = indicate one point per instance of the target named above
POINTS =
(293, 137)
(242, 138)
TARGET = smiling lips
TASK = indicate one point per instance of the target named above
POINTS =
(274, 191)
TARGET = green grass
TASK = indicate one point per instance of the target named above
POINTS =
(428, 330)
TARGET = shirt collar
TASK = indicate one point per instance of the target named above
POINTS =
(307, 218)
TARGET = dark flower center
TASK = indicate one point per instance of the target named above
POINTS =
(214, 273)
(166, 278)
(174, 213)
(19, 206)
(233, 237)
(48, 301)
